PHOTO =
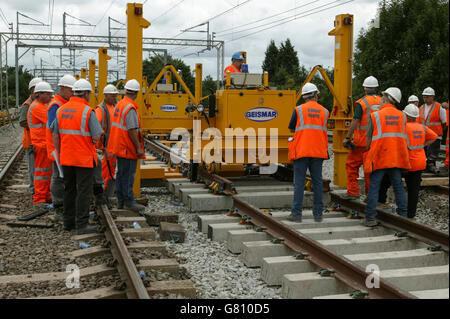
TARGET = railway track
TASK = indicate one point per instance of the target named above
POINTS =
(330, 259)
(40, 260)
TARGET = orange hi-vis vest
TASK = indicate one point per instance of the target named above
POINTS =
(232, 69)
(432, 120)
(26, 138)
(310, 138)
(120, 143)
(59, 101)
(369, 104)
(446, 142)
(76, 148)
(389, 147)
(37, 121)
(104, 113)
(417, 136)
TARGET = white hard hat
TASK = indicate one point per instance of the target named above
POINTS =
(395, 93)
(370, 82)
(33, 82)
(132, 85)
(67, 81)
(411, 110)
(309, 88)
(413, 98)
(110, 89)
(428, 91)
(82, 85)
(43, 87)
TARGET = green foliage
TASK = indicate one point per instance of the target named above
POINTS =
(209, 86)
(270, 63)
(286, 72)
(152, 67)
(408, 51)
(24, 78)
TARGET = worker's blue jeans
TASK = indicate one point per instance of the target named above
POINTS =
(315, 169)
(126, 168)
(395, 175)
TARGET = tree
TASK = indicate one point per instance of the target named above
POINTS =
(286, 72)
(152, 67)
(24, 78)
(270, 63)
(408, 51)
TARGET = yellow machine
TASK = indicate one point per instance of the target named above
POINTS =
(135, 25)
(246, 122)
(166, 103)
(92, 68)
(83, 73)
(103, 58)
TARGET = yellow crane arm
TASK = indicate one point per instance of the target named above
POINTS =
(327, 80)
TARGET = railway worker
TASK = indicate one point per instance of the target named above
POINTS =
(37, 121)
(365, 106)
(127, 144)
(387, 153)
(105, 112)
(419, 137)
(75, 132)
(235, 67)
(434, 117)
(445, 106)
(26, 138)
(57, 184)
(308, 149)
(413, 100)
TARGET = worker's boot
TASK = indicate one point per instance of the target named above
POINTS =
(293, 218)
(99, 195)
(88, 229)
(59, 214)
(370, 223)
(135, 207)
(350, 197)
(431, 168)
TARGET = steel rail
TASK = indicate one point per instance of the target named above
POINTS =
(11, 162)
(135, 288)
(343, 270)
(166, 151)
(226, 184)
(415, 230)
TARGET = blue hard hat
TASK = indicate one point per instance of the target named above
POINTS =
(238, 56)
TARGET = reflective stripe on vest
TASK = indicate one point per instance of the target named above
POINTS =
(417, 147)
(122, 119)
(39, 169)
(310, 126)
(383, 135)
(369, 108)
(30, 125)
(82, 131)
(42, 178)
(427, 119)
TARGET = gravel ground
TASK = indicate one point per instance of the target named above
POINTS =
(216, 272)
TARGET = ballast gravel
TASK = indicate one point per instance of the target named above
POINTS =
(215, 271)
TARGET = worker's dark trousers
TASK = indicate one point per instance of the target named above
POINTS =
(413, 180)
(432, 152)
(77, 195)
(57, 188)
(126, 169)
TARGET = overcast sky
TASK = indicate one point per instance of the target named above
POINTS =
(308, 32)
